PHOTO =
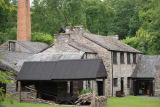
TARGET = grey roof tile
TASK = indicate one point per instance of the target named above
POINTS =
(146, 66)
(110, 43)
(63, 70)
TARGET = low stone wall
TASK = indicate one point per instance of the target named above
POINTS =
(100, 101)
(87, 99)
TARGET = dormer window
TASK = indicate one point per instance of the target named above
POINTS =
(12, 46)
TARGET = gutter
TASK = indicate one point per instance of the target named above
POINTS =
(112, 69)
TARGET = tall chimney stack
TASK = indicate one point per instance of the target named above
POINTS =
(23, 21)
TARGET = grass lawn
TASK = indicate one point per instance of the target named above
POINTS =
(128, 101)
(17, 104)
(133, 101)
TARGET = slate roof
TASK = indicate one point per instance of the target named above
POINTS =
(33, 47)
(9, 59)
(146, 66)
(63, 70)
(81, 47)
(48, 56)
(110, 43)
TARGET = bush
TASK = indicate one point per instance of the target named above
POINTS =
(88, 90)
(42, 37)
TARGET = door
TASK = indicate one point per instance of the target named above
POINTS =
(100, 88)
(143, 87)
(122, 84)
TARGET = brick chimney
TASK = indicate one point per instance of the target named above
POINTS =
(23, 21)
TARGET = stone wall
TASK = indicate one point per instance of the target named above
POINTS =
(11, 89)
(124, 71)
(119, 70)
(156, 82)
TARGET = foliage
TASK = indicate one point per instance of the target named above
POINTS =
(130, 19)
(5, 4)
(9, 35)
(142, 41)
(88, 90)
(7, 19)
(125, 22)
(50, 15)
(42, 37)
(147, 38)
(99, 16)
(4, 80)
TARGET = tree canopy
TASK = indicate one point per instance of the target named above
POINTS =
(136, 22)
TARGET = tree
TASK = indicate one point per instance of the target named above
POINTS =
(99, 17)
(7, 19)
(126, 21)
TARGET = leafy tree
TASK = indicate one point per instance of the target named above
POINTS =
(99, 17)
(7, 19)
(41, 37)
(126, 20)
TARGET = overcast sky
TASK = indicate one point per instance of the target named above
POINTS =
(31, 1)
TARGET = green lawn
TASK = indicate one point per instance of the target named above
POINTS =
(133, 101)
(17, 104)
(128, 101)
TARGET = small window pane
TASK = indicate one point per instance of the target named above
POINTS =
(134, 58)
(122, 57)
(115, 82)
(128, 82)
(114, 57)
(128, 58)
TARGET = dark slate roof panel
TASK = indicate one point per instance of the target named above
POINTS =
(63, 70)
(146, 66)
(36, 71)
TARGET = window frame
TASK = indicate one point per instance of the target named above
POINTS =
(134, 58)
(128, 82)
(114, 57)
(122, 60)
(115, 82)
(128, 58)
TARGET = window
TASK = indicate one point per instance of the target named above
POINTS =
(115, 82)
(134, 58)
(11, 46)
(128, 58)
(114, 57)
(128, 82)
(122, 57)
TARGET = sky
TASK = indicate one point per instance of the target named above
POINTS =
(31, 1)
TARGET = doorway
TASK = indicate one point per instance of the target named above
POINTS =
(122, 84)
(100, 88)
(143, 87)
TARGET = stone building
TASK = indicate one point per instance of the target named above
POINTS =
(119, 59)
(146, 78)
(122, 62)
(12, 52)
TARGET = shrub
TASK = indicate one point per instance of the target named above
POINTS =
(42, 37)
(88, 90)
